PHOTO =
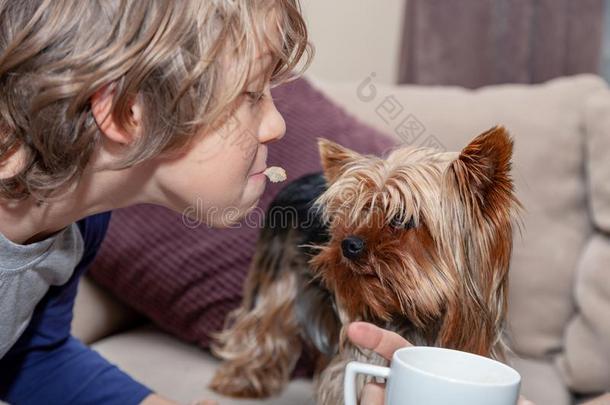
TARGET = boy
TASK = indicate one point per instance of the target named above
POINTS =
(108, 103)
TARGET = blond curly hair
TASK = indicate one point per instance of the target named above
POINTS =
(55, 54)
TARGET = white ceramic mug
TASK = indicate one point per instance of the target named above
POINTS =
(421, 375)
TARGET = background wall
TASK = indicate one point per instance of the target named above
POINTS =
(354, 38)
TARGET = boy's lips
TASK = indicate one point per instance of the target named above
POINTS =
(261, 167)
(258, 171)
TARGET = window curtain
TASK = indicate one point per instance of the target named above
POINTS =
(473, 43)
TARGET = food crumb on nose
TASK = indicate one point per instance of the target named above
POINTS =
(275, 174)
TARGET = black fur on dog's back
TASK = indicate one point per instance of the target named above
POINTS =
(291, 221)
(291, 209)
(285, 311)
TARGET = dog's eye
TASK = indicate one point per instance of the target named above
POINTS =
(398, 223)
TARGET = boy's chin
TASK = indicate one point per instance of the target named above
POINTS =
(234, 217)
(231, 215)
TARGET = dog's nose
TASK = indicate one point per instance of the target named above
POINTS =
(352, 247)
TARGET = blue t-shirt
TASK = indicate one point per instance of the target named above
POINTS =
(47, 365)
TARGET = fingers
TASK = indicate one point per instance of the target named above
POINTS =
(369, 336)
(205, 402)
(373, 394)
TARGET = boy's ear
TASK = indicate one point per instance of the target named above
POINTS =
(101, 108)
(334, 157)
(482, 171)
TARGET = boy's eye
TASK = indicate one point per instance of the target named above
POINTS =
(254, 97)
(398, 223)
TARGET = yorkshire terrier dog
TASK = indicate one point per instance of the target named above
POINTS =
(418, 243)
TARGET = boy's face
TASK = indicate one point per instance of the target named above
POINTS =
(219, 179)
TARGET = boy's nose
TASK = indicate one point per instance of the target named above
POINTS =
(273, 126)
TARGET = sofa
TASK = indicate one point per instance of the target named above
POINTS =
(559, 306)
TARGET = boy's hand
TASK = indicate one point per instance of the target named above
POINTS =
(384, 343)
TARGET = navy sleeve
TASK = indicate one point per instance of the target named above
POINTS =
(49, 366)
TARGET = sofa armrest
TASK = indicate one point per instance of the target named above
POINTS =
(97, 314)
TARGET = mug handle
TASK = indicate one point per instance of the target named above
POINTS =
(349, 381)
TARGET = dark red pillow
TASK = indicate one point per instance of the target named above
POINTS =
(186, 279)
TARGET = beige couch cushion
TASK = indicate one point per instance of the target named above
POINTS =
(549, 123)
(180, 371)
(98, 314)
(598, 163)
(541, 382)
(585, 364)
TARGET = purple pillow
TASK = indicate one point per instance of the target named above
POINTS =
(187, 278)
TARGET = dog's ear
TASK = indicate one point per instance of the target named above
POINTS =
(479, 206)
(482, 170)
(334, 157)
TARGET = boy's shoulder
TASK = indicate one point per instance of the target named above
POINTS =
(93, 229)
